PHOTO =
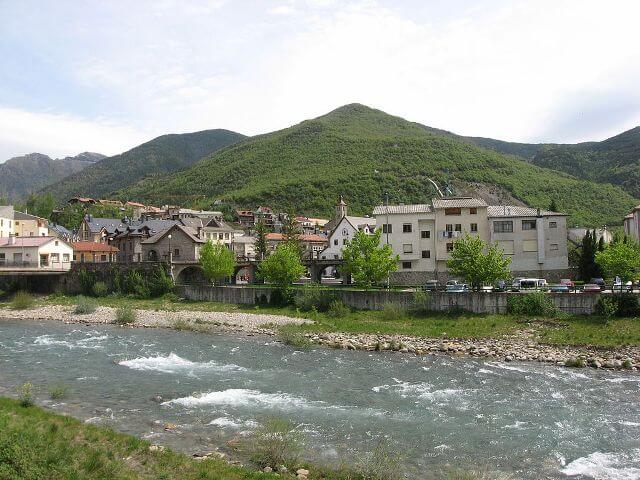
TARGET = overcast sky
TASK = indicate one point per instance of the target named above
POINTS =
(105, 76)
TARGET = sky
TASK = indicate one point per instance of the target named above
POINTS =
(89, 75)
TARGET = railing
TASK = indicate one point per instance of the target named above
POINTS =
(25, 265)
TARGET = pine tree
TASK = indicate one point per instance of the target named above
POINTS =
(291, 233)
(261, 246)
(588, 268)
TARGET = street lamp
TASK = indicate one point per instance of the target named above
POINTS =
(170, 257)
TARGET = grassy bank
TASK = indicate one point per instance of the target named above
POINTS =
(565, 330)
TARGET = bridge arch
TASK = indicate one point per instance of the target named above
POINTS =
(190, 275)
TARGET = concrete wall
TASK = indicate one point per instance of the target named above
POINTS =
(375, 300)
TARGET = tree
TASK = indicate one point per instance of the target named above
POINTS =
(620, 259)
(282, 267)
(217, 261)
(367, 261)
(553, 207)
(261, 246)
(40, 205)
(477, 262)
(587, 266)
(291, 233)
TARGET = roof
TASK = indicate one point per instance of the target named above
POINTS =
(92, 247)
(278, 237)
(154, 226)
(135, 204)
(244, 239)
(516, 211)
(25, 241)
(358, 222)
(6, 211)
(458, 202)
(96, 224)
(17, 215)
(244, 213)
(161, 235)
(216, 224)
(82, 200)
(402, 209)
(60, 229)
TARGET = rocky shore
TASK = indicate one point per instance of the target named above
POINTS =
(520, 347)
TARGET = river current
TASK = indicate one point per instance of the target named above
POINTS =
(519, 420)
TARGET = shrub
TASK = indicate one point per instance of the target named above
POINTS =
(100, 289)
(182, 325)
(87, 279)
(160, 282)
(25, 394)
(420, 303)
(275, 443)
(392, 311)
(627, 305)
(606, 307)
(536, 303)
(337, 309)
(134, 283)
(293, 338)
(58, 391)
(314, 295)
(280, 298)
(22, 301)
(381, 464)
(125, 316)
(84, 306)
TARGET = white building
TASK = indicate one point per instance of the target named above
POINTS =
(35, 254)
(26, 225)
(6, 221)
(343, 229)
(632, 224)
(423, 236)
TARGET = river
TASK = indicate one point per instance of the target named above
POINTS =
(513, 419)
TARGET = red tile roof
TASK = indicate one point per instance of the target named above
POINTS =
(278, 237)
(92, 247)
(24, 241)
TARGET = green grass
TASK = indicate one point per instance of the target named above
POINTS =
(567, 330)
(36, 444)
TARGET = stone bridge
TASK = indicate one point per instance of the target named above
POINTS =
(187, 273)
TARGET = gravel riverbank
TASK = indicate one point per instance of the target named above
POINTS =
(520, 347)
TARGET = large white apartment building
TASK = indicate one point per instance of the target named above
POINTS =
(632, 224)
(423, 236)
(6, 221)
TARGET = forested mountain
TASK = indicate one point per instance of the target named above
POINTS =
(20, 176)
(361, 153)
(156, 158)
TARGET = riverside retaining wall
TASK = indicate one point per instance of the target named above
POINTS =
(476, 302)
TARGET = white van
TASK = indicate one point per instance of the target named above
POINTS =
(528, 284)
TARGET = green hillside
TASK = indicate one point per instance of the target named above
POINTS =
(524, 150)
(361, 153)
(615, 160)
(156, 158)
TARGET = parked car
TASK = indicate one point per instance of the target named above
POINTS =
(568, 282)
(457, 288)
(591, 288)
(560, 288)
(501, 286)
(431, 286)
(529, 284)
(598, 281)
(620, 286)
(452, 282)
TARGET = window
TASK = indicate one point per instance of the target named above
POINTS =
(553, 246)
(553, 224)
(407, 228)
(449, 247)
(503, 226)
(65, 257)
(406, 265)
(176, 252)
(449, 227)
(458, 227)
(17, 223)
(335, 242)
(426, 253)
(407, 248)
(220, 236)
(345, 241)
(506, 246)
(530, 246)
(528, 224)
(473, 211)
(55, 257)
(474, 227)
(56, 243)
(453, 211)
(2, 259)
(75, 258)
(226, 236)
(425, 234)
(387, 228)
(103, 258)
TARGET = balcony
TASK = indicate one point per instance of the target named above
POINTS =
(447, 235)
(7, 266)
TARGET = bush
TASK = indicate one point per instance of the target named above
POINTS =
(536, 303)
(280, 298)
(275, 443)
(314, 295)
(87, 280)
(58, 391)
(100, 289)
(420, 304)
(392, 311)
(337, 309)
(606, 307)
(160, 282)
(381, 464)
(622, 305)
(293, 338)
(84, 306)
(25, 394)
(22, 301)
(125, 316)
(135, 284)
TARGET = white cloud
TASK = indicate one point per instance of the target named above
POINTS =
(62, 135)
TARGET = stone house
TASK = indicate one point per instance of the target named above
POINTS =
(129, 237)
(96, 229)
(312, 244)
(217, 231)
(174, 245)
